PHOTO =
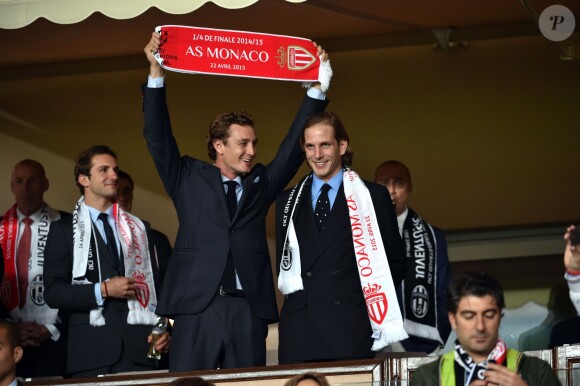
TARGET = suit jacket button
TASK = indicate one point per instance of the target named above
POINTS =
(337, 302)
(308, 274)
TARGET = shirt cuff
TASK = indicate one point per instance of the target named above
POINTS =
(156, 82)
(98, 296)
(315, 93)
(53, 331)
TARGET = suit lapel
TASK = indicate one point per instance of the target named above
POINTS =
(213, 179)
(313, 241)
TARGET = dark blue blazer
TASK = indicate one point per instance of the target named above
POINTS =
(206, 233)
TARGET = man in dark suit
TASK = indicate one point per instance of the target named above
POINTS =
(23, 232)
(218, 286)
(426, 322)
(325, 267)
(98, 268)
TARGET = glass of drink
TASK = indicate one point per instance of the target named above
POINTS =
(158, 330)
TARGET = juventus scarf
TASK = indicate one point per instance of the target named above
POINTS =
(474, 370)
(419, 290)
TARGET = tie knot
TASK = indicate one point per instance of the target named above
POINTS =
(103, 217)
(231, 185)
(325, 188)
(27, 221)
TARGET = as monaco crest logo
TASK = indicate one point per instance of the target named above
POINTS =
(296, 58)
(377, 305)
(141, 289)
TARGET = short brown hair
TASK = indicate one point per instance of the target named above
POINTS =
(340, 133)
(84, 162)
(219, 128)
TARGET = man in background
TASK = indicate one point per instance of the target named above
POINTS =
(161, 245)
(422, 294)
(23, 234)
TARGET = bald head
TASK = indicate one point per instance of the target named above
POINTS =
(28, 184)
(396, 177)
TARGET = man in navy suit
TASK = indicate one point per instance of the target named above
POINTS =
(218, 287)
(325, 317)
(99, 269)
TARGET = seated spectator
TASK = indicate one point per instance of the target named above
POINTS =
(10, 353)
(308, 379)
(475, 303)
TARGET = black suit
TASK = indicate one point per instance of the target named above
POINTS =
(48, 359)
(206, 234)
(328, 320)
(91, 347)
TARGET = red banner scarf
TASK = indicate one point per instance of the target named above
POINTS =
(237, 53)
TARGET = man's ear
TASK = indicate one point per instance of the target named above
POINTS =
(18, 352)
(218, 145)
(343, 146)
(83, 180)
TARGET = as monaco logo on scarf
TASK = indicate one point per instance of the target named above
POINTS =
(141, 289)
(237, 53)
(377, 305)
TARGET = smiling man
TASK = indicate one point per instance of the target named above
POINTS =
(320, 249)
(475, 303)
(98, 268)
(218, 286)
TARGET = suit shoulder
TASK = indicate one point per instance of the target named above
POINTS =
(427, 374)
(377, 190)
(374, 186)
(283, 196)
(64, 214)
(63, 222)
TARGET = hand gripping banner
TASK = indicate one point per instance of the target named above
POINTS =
(237, 53)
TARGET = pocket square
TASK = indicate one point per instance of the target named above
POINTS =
(256, 180)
